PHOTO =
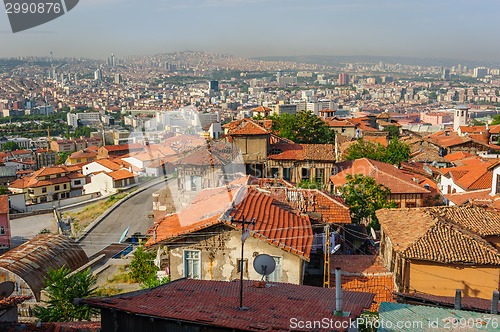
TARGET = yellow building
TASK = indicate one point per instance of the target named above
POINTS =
(82, 156)
(45, 185)
(441, 249)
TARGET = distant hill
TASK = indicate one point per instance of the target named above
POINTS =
(334, 60)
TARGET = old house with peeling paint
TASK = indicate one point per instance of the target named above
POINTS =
(204, 240)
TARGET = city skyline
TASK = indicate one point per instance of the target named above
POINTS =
(461, 29)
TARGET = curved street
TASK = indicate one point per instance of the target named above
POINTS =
(133, 212)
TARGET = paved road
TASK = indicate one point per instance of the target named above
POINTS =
(24, 229)
(133, 212)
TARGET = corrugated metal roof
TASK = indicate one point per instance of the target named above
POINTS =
(32, 260)
(406, 317)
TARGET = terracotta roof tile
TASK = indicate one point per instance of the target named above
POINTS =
(247, 127)
(4, 204)
(121, 174)
(319, 152)
(398, 181)
(428, 234)
(312, 201)
(274, 222)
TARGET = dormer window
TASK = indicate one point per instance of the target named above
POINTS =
(276, 151)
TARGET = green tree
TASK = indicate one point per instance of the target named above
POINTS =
(62, 157)
(10, 146)
(4, 191)
(82, 131)
(496, 120)
(364, 149)
(392, 130)
(303, 127)
(62, 287)
(364, 196)
(394, 153)
(143, 270)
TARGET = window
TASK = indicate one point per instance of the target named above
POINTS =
(305, 174)
(275, 172)
(2, 230)
(411, 205)
(276, 275)
(44, 190)
(320, 174)
(192, 264)
(244, 265)
(65, 185)
(497, 191)
(78, 182)
(57, 188)
(286, 174)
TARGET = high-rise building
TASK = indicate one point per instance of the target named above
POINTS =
(112, 60)
(213, 86)
(446, 74)
(170, 67)
(480, 72)
(343, 79)
(98, 75)
(118, 78)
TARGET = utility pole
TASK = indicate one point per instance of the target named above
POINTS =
(245, 232)
(326, 257)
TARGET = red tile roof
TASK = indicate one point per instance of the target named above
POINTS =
(331, 209)
(293, 151)
(427, 234)
(215, 303)
(121, 174)
(108, 164)
(475, 174)
(476, 196)
(459, 155)
(275, 222)
(4, 204)
(247, 127)
(398, 181)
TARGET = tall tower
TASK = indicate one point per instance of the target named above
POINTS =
(461, 115)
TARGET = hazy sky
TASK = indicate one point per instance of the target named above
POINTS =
(459, 29)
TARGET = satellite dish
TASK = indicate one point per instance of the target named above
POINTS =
(335, 249)
(374, 235)
(264, 265)
(6, 289)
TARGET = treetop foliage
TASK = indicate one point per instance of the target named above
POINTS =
(303, 127)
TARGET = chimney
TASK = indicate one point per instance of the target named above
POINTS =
(458, 299)
(338, 292)
(494, 302)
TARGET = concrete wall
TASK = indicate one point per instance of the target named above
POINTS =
(60, 203)
(94, 167)
(219, 255)
(100, 183)
(443, 280)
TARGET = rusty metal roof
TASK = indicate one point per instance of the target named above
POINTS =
(32, 260)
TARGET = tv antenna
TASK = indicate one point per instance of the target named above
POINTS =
(264, 265)
(6, 289)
